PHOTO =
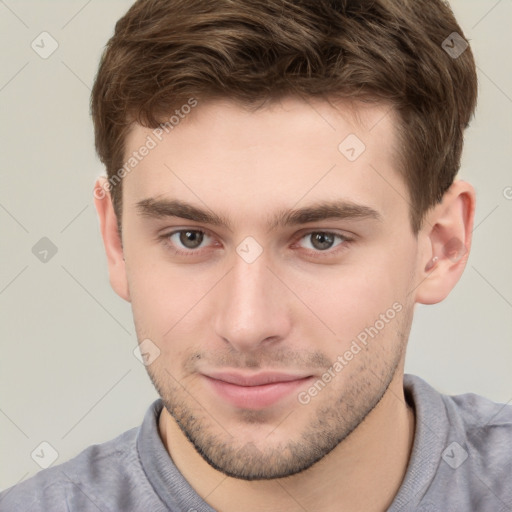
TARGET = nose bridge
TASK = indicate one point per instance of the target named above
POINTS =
(250, 310)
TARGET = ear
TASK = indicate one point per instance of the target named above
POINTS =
(445, 242)
(111, 238)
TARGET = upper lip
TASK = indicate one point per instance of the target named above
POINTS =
(259, 379)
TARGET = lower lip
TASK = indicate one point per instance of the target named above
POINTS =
(255, 397)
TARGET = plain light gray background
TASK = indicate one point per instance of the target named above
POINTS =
(68, 373)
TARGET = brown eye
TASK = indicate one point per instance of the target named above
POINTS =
(191, 239)
(322, 241)
(189, 242)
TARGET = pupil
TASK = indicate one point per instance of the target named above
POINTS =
(191, 239)
(322, 241)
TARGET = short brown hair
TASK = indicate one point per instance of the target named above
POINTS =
(165, 52)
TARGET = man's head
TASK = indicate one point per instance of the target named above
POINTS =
(287, 182)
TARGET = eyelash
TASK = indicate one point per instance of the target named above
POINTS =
(345, 242)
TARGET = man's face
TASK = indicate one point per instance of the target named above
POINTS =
(280, 324)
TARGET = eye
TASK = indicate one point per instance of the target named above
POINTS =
(187, 238)
(321, 240)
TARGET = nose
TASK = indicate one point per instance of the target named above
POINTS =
(252, 308)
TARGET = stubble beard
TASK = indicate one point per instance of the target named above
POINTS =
(331, 417)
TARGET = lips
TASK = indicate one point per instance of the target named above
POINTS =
(259, 379)
(258, 391)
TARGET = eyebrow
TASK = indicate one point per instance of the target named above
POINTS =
(323, 210)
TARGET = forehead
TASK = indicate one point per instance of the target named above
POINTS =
(288, 152)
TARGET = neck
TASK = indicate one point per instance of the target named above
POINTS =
(364, 472)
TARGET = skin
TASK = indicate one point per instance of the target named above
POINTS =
(295, 309)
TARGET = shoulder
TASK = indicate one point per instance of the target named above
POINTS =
(78, 483)
(483, 425)
(486, 429)
(478, 454)
(467, 412)
(466, 442)
(477, 411)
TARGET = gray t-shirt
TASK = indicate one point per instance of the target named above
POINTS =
(461, 461)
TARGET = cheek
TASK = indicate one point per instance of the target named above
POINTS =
(158, 296)
(168, 304)
(354, 299)
(160, 315)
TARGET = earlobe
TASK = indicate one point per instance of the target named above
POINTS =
(446, 242)
(111, 238)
